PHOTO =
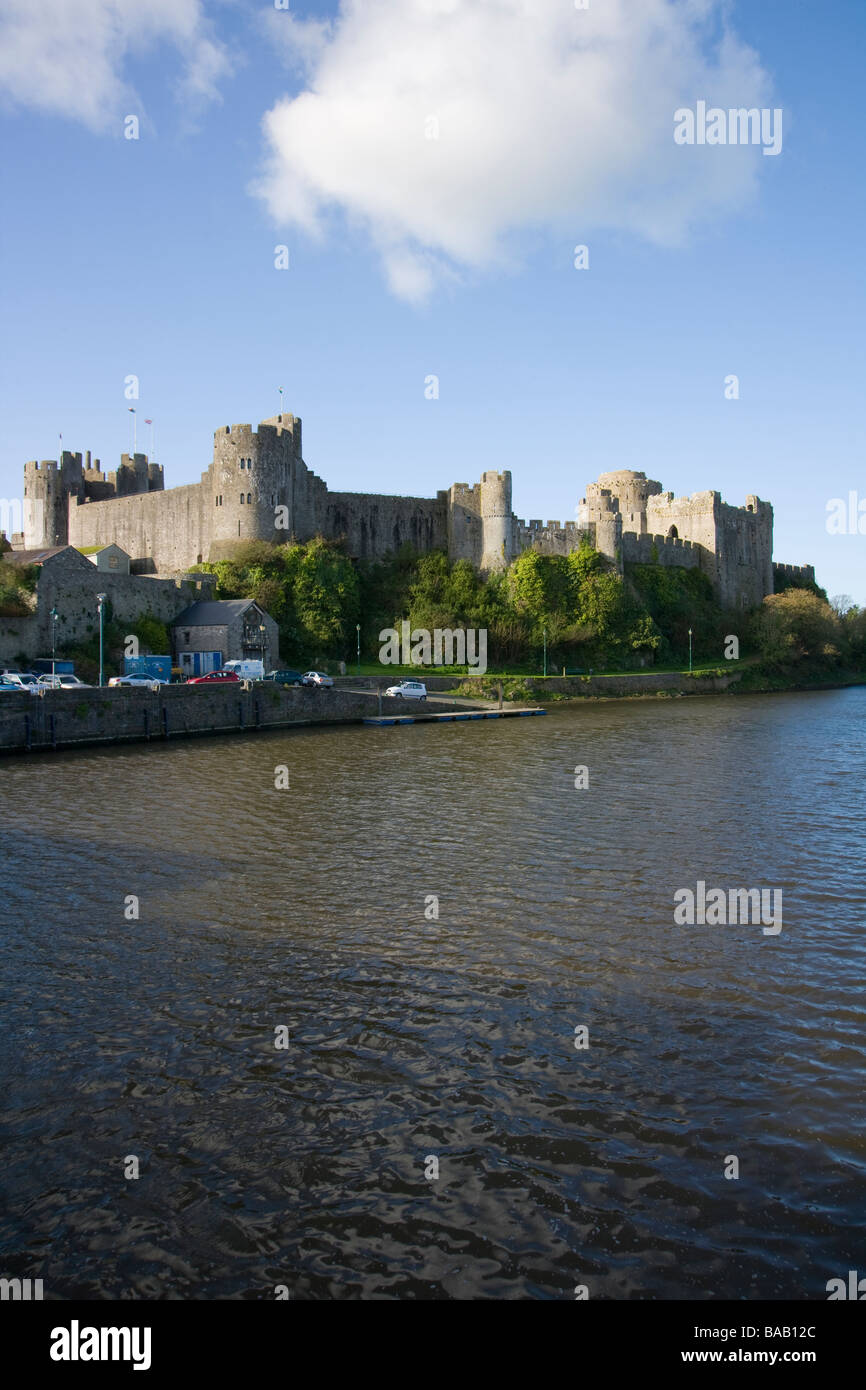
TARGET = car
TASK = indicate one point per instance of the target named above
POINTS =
(62, 682)
(408, 690)
(8, 687)
(317, 679)
(150, 682)
(215, 678)
(22, 679)
(284, 677)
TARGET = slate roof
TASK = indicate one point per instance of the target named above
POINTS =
(213, 612)
(36, 557)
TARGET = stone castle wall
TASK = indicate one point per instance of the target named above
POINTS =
(659, 550)
(258, 487)
(72, 589)
(160, 531)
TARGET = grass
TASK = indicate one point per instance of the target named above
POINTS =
(521, 673)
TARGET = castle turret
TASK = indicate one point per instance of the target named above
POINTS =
(47, 490)
(252, 483)
(496, 521)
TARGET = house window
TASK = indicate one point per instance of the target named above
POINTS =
(243, 463)
(242, 499)
(112, 562)
(249, 499)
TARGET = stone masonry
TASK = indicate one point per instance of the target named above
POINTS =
(258, 487)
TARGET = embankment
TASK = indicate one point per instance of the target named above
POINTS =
(69, 718)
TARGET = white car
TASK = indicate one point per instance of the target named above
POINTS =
(149, 682)
(317, 678)
(408, 690)
(23, 679)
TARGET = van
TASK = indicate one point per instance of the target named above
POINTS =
(247, 670)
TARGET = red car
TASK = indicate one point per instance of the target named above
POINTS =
(214, 676)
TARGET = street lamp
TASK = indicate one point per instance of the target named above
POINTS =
(358, 632)
(54, 616)
(544, 635)
(690, 650)
(100, 603)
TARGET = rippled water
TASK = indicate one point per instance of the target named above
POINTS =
(452, 1038)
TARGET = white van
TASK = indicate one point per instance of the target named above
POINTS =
(247, 670)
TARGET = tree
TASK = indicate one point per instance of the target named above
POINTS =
(797, 626)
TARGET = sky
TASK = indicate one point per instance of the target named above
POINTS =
(430, 167)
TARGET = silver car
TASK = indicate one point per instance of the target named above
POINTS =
(318, 679)
(62, 682)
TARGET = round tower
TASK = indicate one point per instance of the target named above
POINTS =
(496, 521)
(251, 485)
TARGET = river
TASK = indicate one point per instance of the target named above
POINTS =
(416, 1041)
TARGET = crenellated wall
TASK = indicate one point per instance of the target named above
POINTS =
(659, 550)
(258, 487)
(550, 538)
(804, 573)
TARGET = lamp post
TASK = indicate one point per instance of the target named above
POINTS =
(54, 616)
(544, 635)
(100, 603)
(358, 634)
(263, 630)
(690, 650)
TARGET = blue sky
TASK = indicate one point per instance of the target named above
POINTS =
(155, 257)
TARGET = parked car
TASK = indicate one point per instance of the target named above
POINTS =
(285, 677)
(149, 682)
(8, 687)
(317, 678)
(408, 690)
(22, 679)
(62, 682)
(215, 678)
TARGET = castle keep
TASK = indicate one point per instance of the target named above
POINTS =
(258, 487)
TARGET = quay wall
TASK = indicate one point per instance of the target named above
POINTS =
(70, 718)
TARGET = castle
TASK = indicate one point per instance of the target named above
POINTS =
(258, 487)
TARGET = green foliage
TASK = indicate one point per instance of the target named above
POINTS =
(588, 614)
(17, 582)
(153, 636)
(796, 627)
(311, 591)
(678, 599)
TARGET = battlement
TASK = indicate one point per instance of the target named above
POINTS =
(646, 550)
(802, 572)
(567, 527)
(462, 495)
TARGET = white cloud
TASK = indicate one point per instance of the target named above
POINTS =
(549, 118)
(67, 57)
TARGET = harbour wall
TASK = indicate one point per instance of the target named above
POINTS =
(71, 719)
